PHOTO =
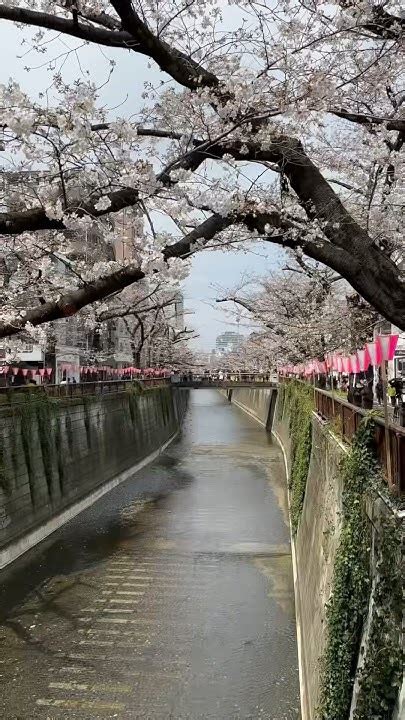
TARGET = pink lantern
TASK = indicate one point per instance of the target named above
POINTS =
(48, 371)
(387, 345)
(25, 372)
(364, 359)
(41, 372)
(374, 351)
(339, 363)
(346, 364)
(354, 364)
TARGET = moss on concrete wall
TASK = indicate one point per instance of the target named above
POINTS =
(54, 452)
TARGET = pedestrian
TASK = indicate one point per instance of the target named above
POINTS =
(357, 394)
(367, 396)
(379, 391)
(392, 393)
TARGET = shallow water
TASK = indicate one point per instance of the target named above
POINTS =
(170, 598)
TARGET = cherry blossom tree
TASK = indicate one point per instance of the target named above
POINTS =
(301, 313)
(281, 121)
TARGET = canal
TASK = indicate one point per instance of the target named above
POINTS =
(171, 597)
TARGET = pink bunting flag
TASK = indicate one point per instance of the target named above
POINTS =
(387, 345)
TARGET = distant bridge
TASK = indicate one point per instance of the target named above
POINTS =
(205, 384)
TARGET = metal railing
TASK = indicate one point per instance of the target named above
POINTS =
(347, 419)
(68, 390)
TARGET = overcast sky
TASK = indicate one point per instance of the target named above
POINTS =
(210, 270)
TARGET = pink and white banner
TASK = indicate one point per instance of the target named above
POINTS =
(346, 364)
(354, 364)
(374, 351)
(387, 345)
(364, 359)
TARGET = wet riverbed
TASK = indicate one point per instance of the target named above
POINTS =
(170, 598)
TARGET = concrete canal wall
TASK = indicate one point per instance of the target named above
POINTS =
(316, 542)
(314, 546)
(257, 402)
(58, 456)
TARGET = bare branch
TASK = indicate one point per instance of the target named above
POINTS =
(90, 33)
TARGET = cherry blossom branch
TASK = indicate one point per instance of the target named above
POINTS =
(364, 119)
(364, 271)
(179, 66)
(90, 33)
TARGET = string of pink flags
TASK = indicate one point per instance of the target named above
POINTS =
(382, 349)
(86, 371)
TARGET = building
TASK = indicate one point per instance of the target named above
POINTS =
(69, 343)
(228, 342)
(178, 321)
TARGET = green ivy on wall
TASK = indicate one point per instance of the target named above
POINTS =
(380, 677)
(299, 404)
(348, 606)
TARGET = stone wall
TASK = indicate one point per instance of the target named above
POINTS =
(56, 453)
